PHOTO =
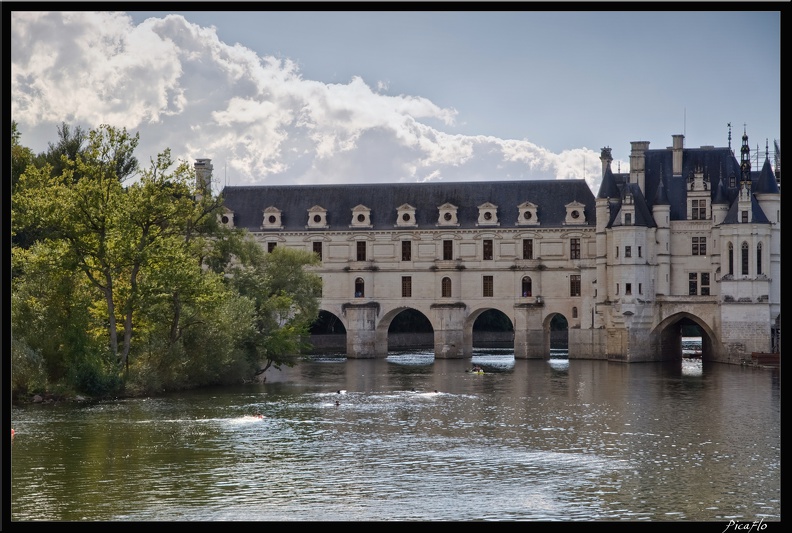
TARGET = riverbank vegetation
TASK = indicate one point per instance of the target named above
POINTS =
(124, 282)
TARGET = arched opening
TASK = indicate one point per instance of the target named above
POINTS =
(360, 288)
(328, 334)
(527, 286)
(410, 329)
(684, 336)
(559, 336)
(493, 329)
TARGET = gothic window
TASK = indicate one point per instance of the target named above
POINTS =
(526, 287)
(731, 259)
(488, 286)
(361, 250)
(446, 287)
(759, 259)
(745, 259)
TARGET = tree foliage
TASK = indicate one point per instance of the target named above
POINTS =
(137, 284)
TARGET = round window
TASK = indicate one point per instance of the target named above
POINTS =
(225, 219)
(447, 216)
(361, 218)
(487, 216)
(317, 218)
(272, 219)
(406, 217)
(527, 215)
(575, 214)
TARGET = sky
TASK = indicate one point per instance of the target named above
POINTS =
(323, 97)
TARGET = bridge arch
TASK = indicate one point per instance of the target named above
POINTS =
(667, 336)
(555, 327)
(391, 317)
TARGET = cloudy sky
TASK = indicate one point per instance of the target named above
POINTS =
(361, 97)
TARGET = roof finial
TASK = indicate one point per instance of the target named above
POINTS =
(729, 125)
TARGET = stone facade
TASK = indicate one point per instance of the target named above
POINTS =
(688, 237)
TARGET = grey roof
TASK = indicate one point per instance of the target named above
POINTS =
(717, 164)
(294, 201)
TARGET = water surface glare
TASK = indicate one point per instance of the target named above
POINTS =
(414, 438)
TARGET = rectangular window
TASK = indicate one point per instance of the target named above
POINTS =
(527, 248)
(699, 210)
(361, 250)
(617, 288)
(744, 217)
(271, 246)
(699, 246)
(488, 289)
(705, 283)
(628, 219)
(574, 285)
(574, 248)
(317, 248)
(448, 250)
(487, 249)
(617, 251)
(628, 288)
(628, 251)
(693, 283)
(640, 288)
(406, 251)
(639, 251)
(406, 287)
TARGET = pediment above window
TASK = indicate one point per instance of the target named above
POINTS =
(488, 214)
(447, 215)
(405, 216)
(361, 217)
(575, 213)
(317, 217)
(528, 214)
(272, 218)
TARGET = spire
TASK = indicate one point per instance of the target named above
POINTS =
(661, 196)
(766, 182)
(745, 162)
(608, 188)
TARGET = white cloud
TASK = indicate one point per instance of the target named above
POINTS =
(256, 117)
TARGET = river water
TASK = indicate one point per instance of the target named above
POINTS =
(411, 438)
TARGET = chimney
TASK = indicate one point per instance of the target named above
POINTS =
(606, 158)
(677, 157)
(203, 175)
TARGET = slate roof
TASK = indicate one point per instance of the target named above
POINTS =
(717, 164)
(294, 201)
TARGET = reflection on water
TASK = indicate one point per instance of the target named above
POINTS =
(414, 438)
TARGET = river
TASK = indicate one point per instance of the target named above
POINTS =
(411, 438)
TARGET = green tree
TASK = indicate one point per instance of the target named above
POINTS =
(286, 299)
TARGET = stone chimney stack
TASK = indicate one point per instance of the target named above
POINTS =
(203, 175)
(679, 142)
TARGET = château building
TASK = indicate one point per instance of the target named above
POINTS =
(689, 237)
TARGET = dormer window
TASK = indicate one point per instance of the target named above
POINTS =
(405, 216)
(575, 214)
(226, 218)
(317, 217)
(488, 215)
(361, 217)
(448, 215)
(272, 218)
(528, 215)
